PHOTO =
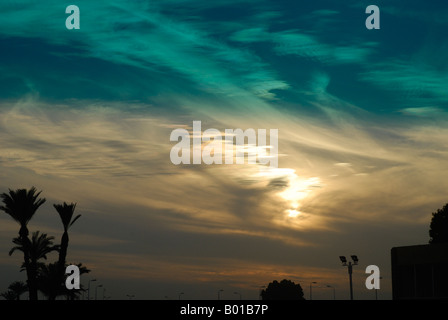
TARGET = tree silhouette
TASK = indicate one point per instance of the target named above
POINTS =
(9, 295)
(15, 290)
(52, 285)
(65, 212)
(75, 294)
(438, 228)
(41, 245)
(49, 281)
(21, 205)
(283, 290)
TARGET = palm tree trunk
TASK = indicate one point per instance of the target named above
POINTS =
(63, 251)
(61, 264)
(31, 271)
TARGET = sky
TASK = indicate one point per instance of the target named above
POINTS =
(86, 116)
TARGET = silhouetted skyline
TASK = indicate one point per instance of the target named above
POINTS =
(86, 117)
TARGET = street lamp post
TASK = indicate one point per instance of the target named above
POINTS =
(310, 289)
(334, 291)
(88, 289)
(350, 270)
(180, 294)
(376, 291)
(96, 290)
(219, 294)
(238, 293)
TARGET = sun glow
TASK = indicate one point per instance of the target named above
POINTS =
(295, 189)
(292, 213)
(298, 189)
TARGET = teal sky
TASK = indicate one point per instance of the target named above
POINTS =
(86, 116)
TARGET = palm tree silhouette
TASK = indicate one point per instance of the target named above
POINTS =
(75, 294)
(41, 245)
(65, 212)
(49, 281)
(15, 290)
(51, 284)
(8, 295)
(21, 205)
(19, 288)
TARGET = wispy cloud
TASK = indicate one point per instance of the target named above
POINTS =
(101, 103)
(306, 45)
(154, 41)
(418, 84)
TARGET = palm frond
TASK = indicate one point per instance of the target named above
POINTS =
(39, 247)
(76, 218)
(21, 204)
(66, 212)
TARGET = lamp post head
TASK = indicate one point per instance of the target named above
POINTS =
(355, 259)
(343, 260)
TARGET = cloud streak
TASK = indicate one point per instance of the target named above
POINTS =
(87, 117)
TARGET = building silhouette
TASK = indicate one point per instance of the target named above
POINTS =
(420, 272)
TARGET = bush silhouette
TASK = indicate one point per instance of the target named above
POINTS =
(438, 229)
(283, 290)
